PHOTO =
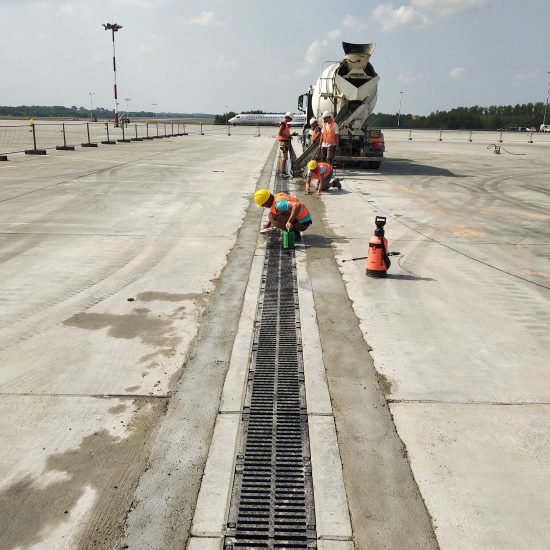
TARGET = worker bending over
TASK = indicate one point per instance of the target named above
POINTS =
(284, 143)
(330, 138)
(285, 211)
(322, 172)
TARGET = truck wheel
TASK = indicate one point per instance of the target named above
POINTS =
(375, 164)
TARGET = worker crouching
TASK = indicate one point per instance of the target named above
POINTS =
(322, 172)
(286, 212)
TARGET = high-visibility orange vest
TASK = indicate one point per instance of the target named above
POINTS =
(302, 213)
(278, 197)
(329, 135)
(315, 134)
(286, 132)
(316, 174)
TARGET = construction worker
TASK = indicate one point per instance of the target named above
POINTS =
(330, 138)
(285, 212)
(284, 143)
(315, 131)
(322, 172)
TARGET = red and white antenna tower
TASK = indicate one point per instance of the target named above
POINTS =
(114, 27)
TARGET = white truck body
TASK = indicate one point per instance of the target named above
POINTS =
(348, 89)
(349, 82)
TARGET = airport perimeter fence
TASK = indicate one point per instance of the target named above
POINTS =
(38, 137)
(469, 136)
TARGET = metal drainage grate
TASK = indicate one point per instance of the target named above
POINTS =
(272, 502)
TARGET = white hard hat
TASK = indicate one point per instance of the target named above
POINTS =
(289, 114)
(313, 120)
(326, 114)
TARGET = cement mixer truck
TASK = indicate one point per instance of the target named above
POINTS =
(348, 89)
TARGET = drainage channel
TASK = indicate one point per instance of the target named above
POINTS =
(272, 500)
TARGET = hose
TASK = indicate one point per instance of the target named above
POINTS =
(499, 148)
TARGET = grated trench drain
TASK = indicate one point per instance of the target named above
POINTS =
(272, 501)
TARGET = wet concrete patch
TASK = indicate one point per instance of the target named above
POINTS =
(153, 331)
(167, 296)
(386, 384)
(108, 465)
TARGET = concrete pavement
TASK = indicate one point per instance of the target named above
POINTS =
(460, 329)
(109, 257)
(121, 298)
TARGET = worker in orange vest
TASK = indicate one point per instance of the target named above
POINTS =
(284, 143)
(286, 212)
(322, 172)
(330, 138)
(315, 131)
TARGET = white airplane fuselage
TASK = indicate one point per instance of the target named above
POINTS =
(266, 119)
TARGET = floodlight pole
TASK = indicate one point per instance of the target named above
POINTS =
(91, 105)
(546, 106)
(400, 100)
(114, 27)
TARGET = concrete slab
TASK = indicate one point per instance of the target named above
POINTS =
(483, 471)
(234, 388)
(108, 344)
(472, 280)
(331, 506)
(335, 545)
(64, 458)
(215, 494)
(318, 398)
(201, 543)
(96, 241)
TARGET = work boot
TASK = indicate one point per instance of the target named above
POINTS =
(337, 184)
(285, 175)
(297, 236)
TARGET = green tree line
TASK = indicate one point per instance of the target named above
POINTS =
(529, 115)
(59, 111)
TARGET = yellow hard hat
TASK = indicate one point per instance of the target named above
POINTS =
(312, 164)
(261, 196)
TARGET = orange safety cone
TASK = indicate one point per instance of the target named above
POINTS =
(378, 261)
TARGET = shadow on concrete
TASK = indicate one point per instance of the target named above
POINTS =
(408, 167)
(316, 241)
(403, 277)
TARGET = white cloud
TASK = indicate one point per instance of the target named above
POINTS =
(520, 77)
(404, 16)
(354, 23)
(334, 35)
(447, 7)
(73, 9)
(142, 3)
(313, 57)
(409, 77)
(457, 72)
(206, 19)
(227, 62)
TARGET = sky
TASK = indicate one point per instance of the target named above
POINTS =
(220, 55)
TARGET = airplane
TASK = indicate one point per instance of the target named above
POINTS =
(267, 119)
